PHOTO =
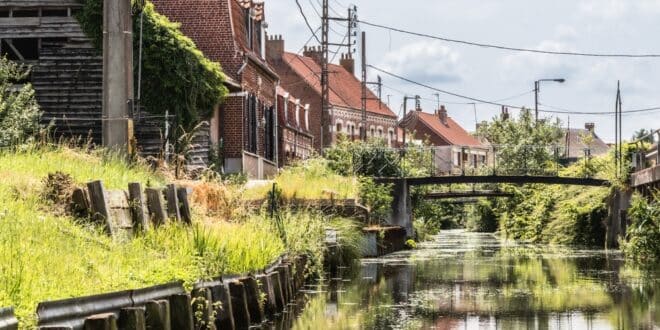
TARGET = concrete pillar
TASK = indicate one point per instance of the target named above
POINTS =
(117, 74)
(401, 207)
(616, 224)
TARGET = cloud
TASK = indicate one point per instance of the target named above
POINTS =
(428, 62)
(536, 66)
(606, 9)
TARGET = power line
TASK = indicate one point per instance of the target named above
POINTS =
(302, 12)
(478, 44)
(319, 15)
(650, 109)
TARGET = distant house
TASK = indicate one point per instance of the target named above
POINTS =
(232, 32)
(580, 142)
(301, 75)
(296, 142)
(454, 148)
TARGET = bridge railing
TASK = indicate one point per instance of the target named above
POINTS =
(424, 161)
(644, 159)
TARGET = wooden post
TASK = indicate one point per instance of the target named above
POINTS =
(138, 209)
(181, 314)
(265, 286)
(172, 202)
(224, 318)
(239, 305)
(80, 203)
(182, 194)
(132, 318)
(277, 291)
(156, 206)
(99, 203)
(252, 294)
(157, 315)
(101, 322)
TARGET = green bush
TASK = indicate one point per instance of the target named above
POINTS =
(19, 112)
(643, 237)
(377, 197)
(175, 74)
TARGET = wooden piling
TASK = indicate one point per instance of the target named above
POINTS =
(265, 286)
(156, 206)
(139, 212)
(157, 315)
(255, 307)
(224, 316)
(277, 291)
(132, 318)
(101, 322)
(181, 314)
(99, 203)
(184, 209)
(239, 305)
(80, 203)
(172, 203)
(202, 307)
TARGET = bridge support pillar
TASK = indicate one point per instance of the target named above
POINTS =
(401, 214)
(619, 203)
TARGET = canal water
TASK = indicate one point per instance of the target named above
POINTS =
(463, 280)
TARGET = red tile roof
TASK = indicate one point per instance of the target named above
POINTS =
(345, 88)
(451, 132)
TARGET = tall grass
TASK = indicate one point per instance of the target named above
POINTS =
(311, 179)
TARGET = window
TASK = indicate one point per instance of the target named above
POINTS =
(26, 13)
(269, 131)
(380, 132)
(54, 12)
(248, 27)
(373, 132)
(298, 114)
(22, 49)
(251, 124)
(338, 128)
(260, 36)
(4, 13)
(307, 117)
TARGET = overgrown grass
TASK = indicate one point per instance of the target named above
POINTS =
(311, 179)
(48, 257)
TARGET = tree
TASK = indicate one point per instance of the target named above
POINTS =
(522, 145)
(19, 111)
(645, 134)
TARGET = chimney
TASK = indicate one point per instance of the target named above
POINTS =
(274, 47)
(348, 63)
(418, 103)
(315, 53)
(591, 127)
(505, 113)
(442, 114)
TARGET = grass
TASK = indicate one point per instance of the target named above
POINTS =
(311, 179)
(48, 257)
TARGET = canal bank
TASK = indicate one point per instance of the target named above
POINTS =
(462, 280)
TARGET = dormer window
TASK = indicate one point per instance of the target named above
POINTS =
(248, 27)
(297, 113)
(286, 108)
(306, 116)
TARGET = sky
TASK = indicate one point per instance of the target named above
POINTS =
(594, 26)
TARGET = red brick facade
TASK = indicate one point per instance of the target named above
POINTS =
(300, 75)
(231, 32)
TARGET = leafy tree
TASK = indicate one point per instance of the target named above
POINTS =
(643, 133)
(19, 112)
(523, 146)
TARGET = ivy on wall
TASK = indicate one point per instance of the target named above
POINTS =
(176, 76)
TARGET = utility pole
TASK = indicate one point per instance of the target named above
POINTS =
(326, 133)
(363, 131)
(536, 100)
(117, 75)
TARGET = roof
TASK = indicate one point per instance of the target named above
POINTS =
(345, 88)
(573, 137)
(450, 131)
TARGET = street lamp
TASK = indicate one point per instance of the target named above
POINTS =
(537, 84)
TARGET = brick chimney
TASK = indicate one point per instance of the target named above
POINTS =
(315, 53)
(591, 127)
(274, 47)
(505, 113)
(348, 63)
(442, 114)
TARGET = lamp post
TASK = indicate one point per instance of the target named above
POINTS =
(537, 84)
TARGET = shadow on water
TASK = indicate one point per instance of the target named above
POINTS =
(465, 281)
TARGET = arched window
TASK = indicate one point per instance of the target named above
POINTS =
(338, 128)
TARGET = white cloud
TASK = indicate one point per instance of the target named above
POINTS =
(607, 9)
(429, 62)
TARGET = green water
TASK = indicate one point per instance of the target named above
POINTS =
(475, 281)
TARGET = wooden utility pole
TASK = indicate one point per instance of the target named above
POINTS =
(117, 75)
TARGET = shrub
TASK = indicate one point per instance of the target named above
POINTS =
(644, 230)
(377, 197)
(19, 112)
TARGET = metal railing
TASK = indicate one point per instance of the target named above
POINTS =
(512, 160)
(642, 160)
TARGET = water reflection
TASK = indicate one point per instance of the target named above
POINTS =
(474, 281)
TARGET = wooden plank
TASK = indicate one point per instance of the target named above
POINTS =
(99, 203)
(101, 322)
(186, 215)
(156, 206)
(172, 202)
(81, 207)
(139, 212)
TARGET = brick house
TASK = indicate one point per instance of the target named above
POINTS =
(454, 148)
(301, 75)
(295, 140)
(578, 142)
(232, 32)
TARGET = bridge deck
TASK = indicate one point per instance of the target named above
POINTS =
(498, 179)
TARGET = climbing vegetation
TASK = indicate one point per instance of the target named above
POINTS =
(644, 230)
(19, 112)
(176, 77)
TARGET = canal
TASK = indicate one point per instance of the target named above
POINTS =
(463, 280)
